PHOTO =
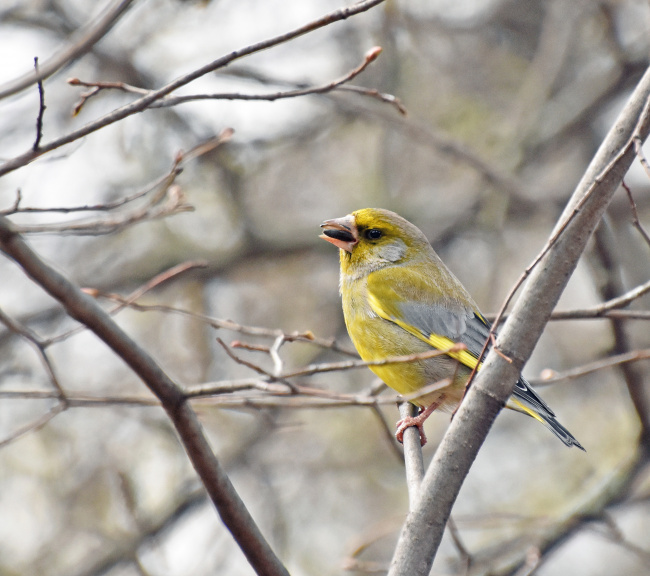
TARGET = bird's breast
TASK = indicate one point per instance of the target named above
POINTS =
(376, 338)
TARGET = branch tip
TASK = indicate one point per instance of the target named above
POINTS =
(372, 54)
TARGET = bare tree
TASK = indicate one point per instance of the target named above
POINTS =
(164, 173)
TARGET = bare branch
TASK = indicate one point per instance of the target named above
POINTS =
(171, 202)
(82, 42)
(414, 555)
(39, 346)
(39, 423)
(219, 323)
(407, 358)
(167, 199)
(606, 253)
(578, 371)
(229, 394)
(412, 454)
(84, 309)
(387, 431)
(41, 109)
(611, 304)
(144, 102)
(168, 101)
(97, 87)
(635, 213)
(611, 169)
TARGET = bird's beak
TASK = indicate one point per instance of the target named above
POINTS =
(342, 232)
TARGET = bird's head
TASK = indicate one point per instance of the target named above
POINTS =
(373, 238)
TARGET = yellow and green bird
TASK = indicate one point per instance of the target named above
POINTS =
(399, 299)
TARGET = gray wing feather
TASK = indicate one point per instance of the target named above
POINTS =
(460, 325)
(434, 319)
(467, 327)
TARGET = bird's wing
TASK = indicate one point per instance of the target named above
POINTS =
(413, 302)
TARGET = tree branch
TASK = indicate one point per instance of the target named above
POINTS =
(412, 454)
(422, 532)
(86, 39)
(143, 103)
(84, 309)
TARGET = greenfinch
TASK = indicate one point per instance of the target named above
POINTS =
(400, 299)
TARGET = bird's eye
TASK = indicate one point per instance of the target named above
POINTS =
(373, 234)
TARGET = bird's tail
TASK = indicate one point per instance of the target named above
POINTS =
(525, 399)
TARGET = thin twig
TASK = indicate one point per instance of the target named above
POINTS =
(181, 159)
(407, 358)
(41, 109)
(145, 102)
(579, 371)
(168, 101)
(243, 362)
(97, 87)
(607, 306)
(212, 389)
(373, 93)
(273, 378)
(81, 42)
(219, 323)
(128, 300)
(39, 346)
(466, 557)
(635, 213)
(150, 284)
(167, 199)
(104, 207)
(34, 426)
(592, 314)
(252, 347)
(228, 394)
(387, 431)
(608, 259)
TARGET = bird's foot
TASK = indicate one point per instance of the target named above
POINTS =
(417, 421)
(408, 422)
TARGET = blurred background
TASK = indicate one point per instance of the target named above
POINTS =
(507, 102)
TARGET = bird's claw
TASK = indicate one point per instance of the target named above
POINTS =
(408, 422)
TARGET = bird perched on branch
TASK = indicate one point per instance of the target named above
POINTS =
(400, 299)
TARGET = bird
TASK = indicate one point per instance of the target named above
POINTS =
(400, 299)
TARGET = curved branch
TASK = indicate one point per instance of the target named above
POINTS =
(84, 309)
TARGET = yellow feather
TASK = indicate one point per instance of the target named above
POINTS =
(514, 404)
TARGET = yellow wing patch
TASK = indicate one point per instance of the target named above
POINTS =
(435, 340)
(442, 343)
